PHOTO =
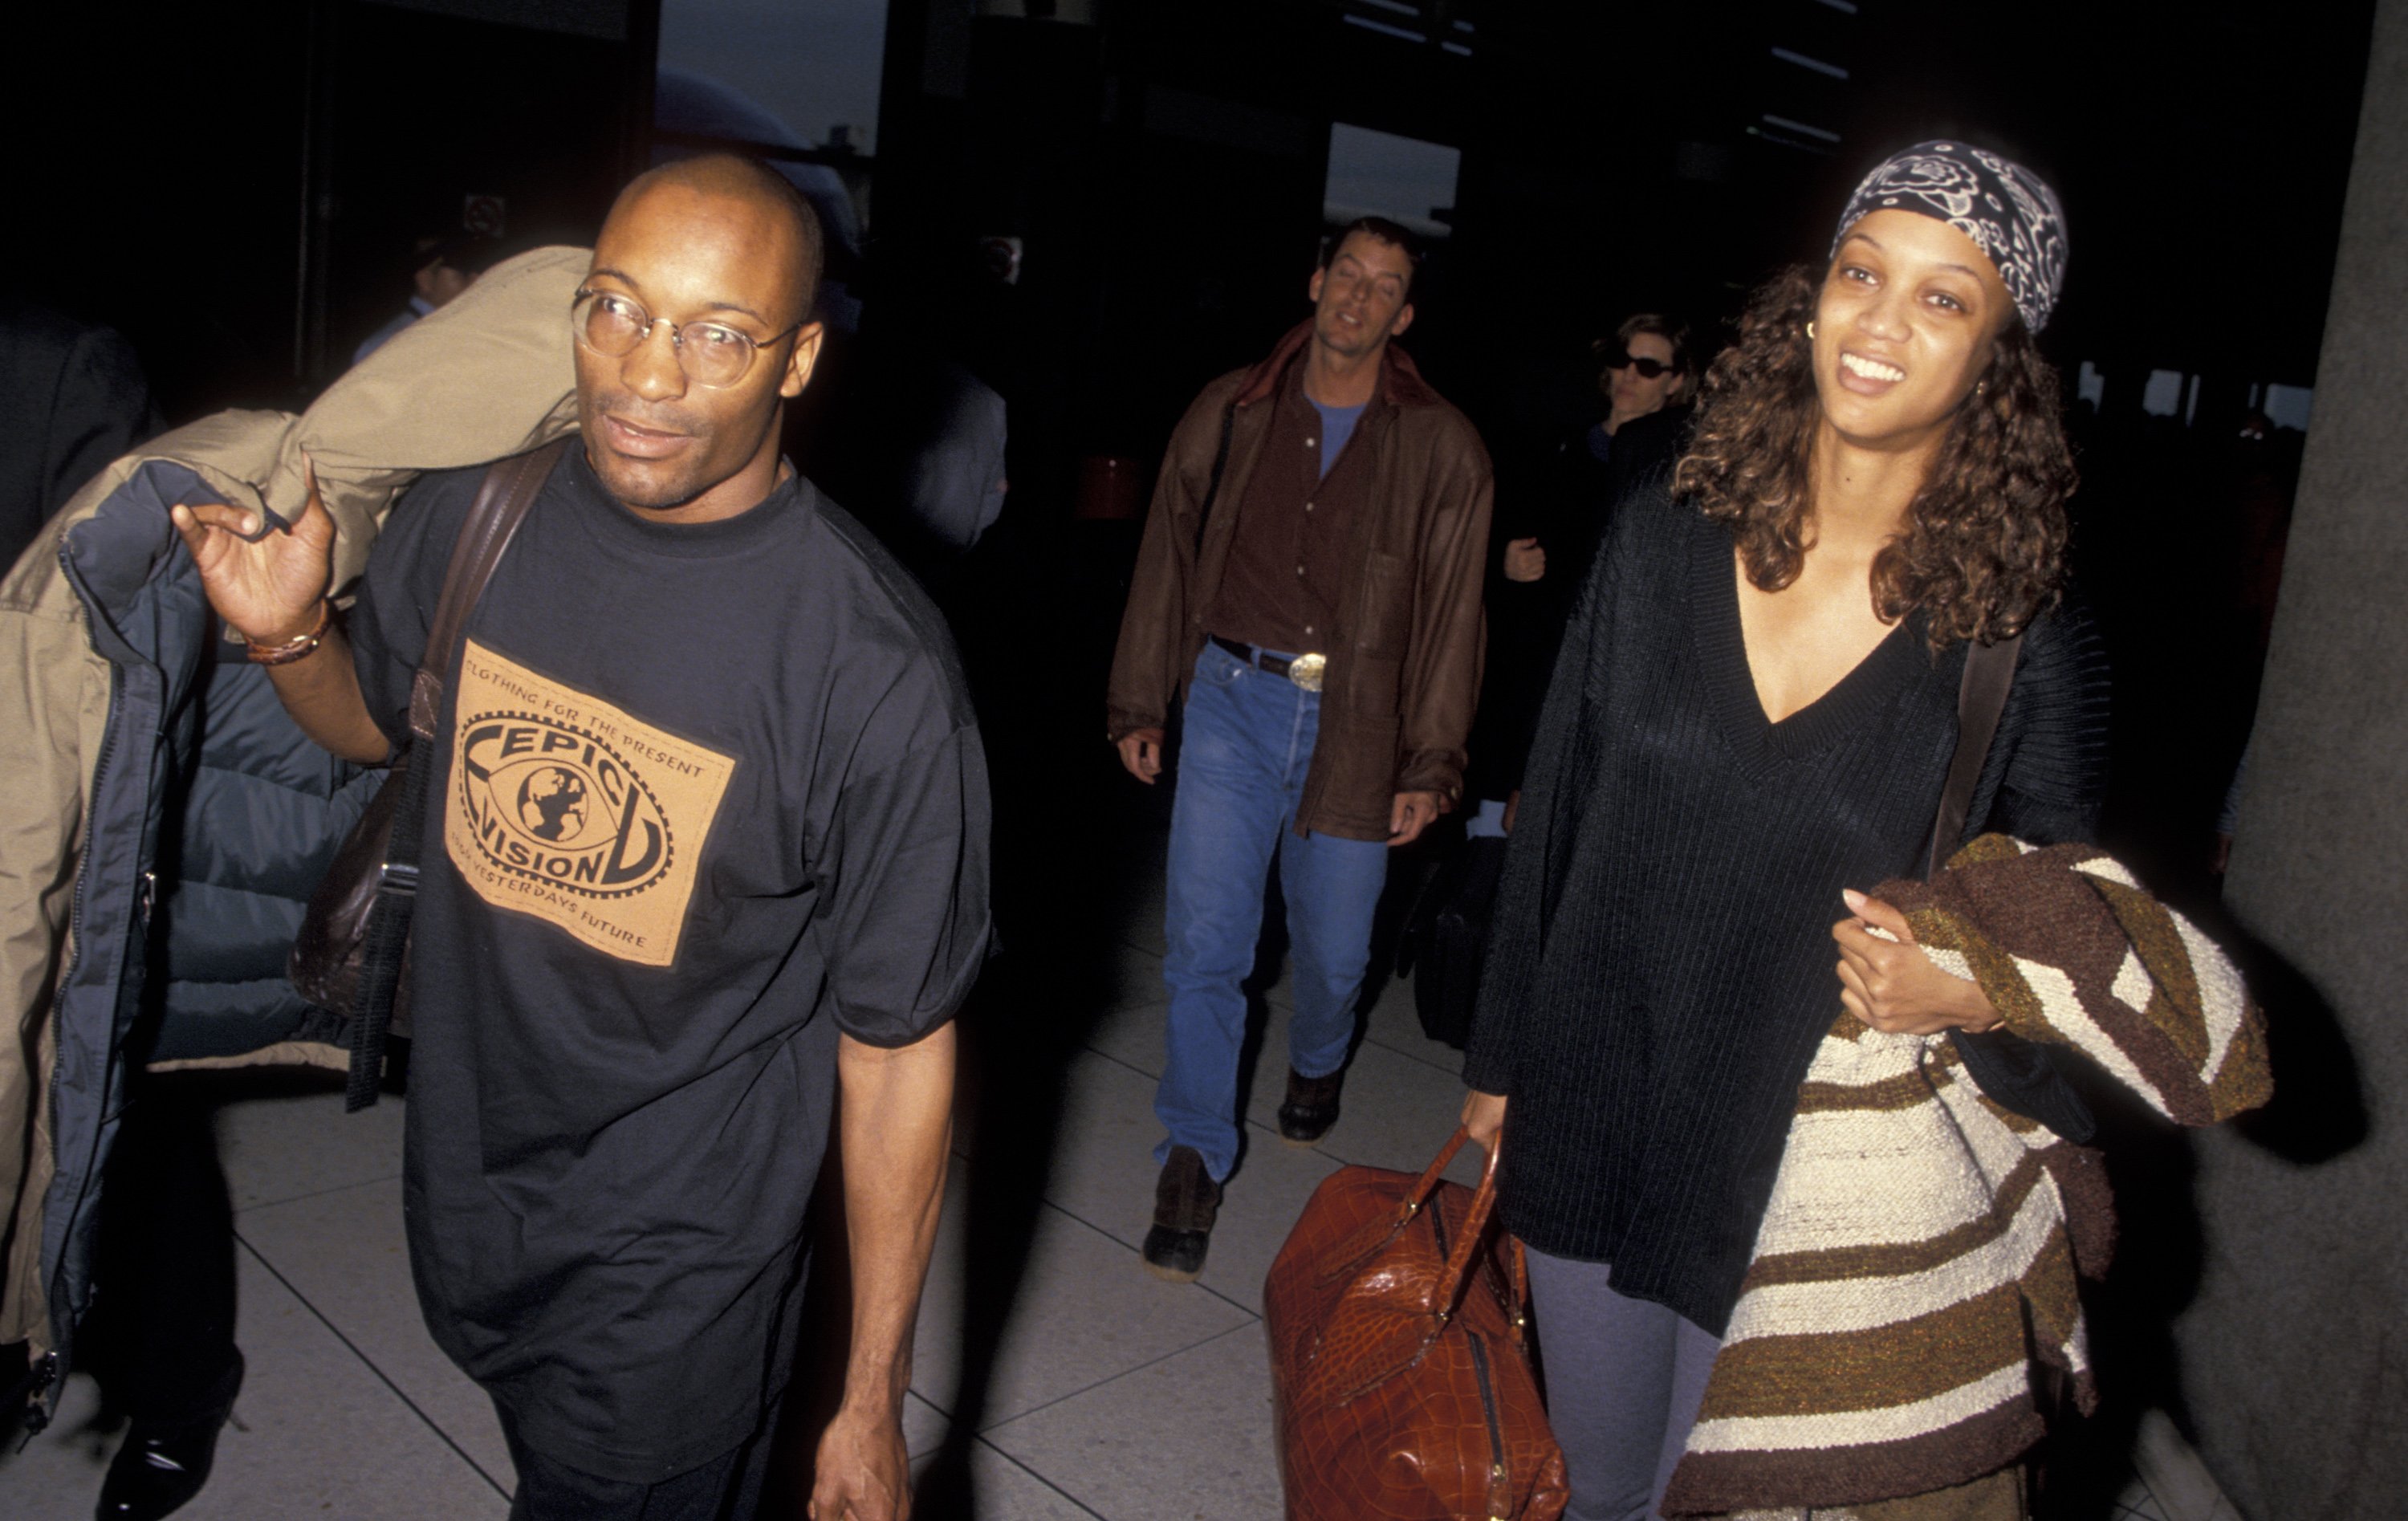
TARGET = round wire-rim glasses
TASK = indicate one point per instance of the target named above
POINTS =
(710, 353)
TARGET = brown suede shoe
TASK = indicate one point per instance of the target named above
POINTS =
(1185, 1202)
(1312, 1107)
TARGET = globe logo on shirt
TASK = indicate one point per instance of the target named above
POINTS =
(551, 800)
(551, 804)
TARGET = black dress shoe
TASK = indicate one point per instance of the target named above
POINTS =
(1312, 1106)
(162, 1465)
(158, 1469)
(1186, 1201)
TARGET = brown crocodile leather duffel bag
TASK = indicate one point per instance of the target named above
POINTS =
(1400, 1362)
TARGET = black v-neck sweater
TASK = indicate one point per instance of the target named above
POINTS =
(1660, 967)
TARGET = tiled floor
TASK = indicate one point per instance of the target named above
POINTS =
(2138, 1504)
(1100, 1391)
(1054, 1377)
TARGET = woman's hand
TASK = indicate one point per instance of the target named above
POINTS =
(1892, 985)
(1483, 1114)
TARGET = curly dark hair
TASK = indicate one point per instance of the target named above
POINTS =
(1984, 548)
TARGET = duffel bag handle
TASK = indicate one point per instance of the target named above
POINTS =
(1420, 1191)
(1475, 1225)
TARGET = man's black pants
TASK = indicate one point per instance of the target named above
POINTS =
(727, 1489)
(161, 1335)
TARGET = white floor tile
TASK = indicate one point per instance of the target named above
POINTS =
(315, 1433)
(344, 1252)
(1186, 1439)
(1085, 1312)
(1132, 1033)
(1140, 920)
(2168, 1474)
(1002, 1490)
(1104, 1174)
(286, 1136)
(1396, 1112)
(923, 1426)
(1137, 976)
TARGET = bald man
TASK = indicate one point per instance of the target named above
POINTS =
(709, 862)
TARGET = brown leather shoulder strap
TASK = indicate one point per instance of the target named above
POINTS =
(1212, 487)
(508, 490)
(1981, 700)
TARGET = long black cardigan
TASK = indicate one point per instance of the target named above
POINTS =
(1660, 966)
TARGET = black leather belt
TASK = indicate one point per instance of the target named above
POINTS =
(1304, 669)
(1260, 659)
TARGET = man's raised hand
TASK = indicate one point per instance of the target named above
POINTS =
(267, 586)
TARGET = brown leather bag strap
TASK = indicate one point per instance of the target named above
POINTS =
(508, 489)
(1420, 1191)
(1981, 700)
(1475, 1220)
(1475, 1225)
(1212, 487)
(1521, 1305)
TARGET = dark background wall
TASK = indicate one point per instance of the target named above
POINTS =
(1164, 166)
(236, 187)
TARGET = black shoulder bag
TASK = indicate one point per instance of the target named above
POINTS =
(2011, 1070)
(352, 953)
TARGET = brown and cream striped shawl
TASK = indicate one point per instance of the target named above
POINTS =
(1920, 1250)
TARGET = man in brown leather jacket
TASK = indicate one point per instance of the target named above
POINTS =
(1309, 588)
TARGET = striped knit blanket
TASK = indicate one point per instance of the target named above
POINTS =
(1919, 1254)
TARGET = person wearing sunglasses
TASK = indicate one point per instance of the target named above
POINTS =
(1642, 371)
(1645, 378)
(708, 878)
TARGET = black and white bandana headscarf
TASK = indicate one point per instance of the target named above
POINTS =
(2002, 206)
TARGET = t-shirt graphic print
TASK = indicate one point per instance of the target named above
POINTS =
(565, 808)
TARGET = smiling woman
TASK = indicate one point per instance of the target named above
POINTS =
(1755, 710)
(1983, 544)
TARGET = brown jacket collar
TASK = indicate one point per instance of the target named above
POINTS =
(1401, 380)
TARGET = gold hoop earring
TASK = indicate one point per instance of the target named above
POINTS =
(1810, 332)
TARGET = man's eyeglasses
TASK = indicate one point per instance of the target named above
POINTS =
(1649, 369)
(710, 353)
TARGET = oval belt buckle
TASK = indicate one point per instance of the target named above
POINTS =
(1305, 670)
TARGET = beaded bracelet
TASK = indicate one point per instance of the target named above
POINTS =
(285, 654)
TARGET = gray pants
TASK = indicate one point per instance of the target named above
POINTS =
(1624, 1380)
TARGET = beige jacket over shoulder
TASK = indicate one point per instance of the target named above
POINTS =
(489, 375)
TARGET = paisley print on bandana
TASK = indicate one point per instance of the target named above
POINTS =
(2002, 206)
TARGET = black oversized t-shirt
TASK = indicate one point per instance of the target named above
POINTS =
(706, 796)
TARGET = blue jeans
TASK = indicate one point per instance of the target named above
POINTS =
(1242, 758)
